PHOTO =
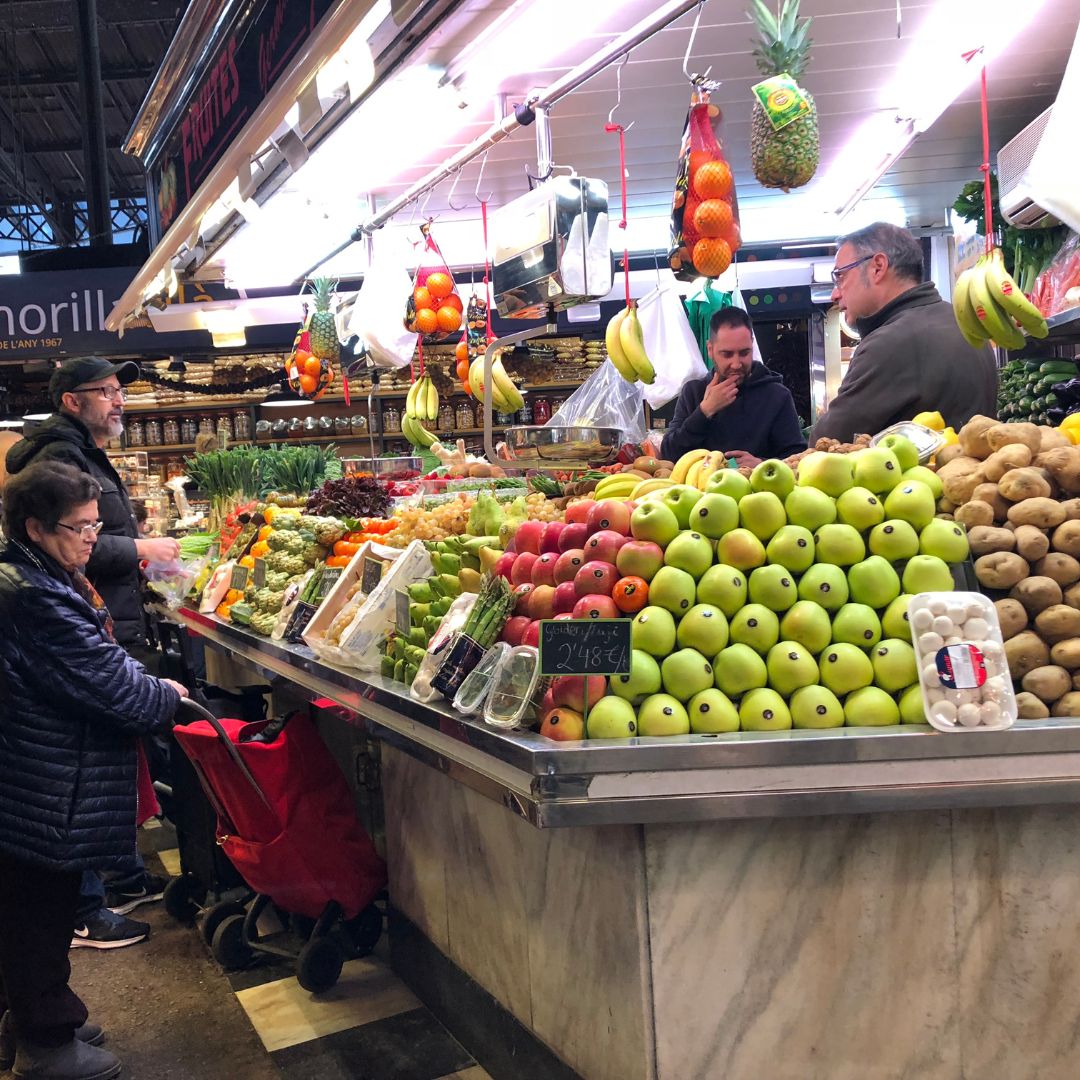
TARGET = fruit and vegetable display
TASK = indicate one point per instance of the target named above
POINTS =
(355, 496)
(1037, 391)
(990, 306)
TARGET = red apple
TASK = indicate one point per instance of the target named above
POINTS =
(505, 565)
(531, 635)
(563, 725)
(565, 597)
(578, 512)
(568, 564)
(549, 541)
(513, 628)
(543, 570)
(521, 605)
(541, 602)
(547, 703)
(596, 607)
(521, 571)
(569, 690)
(528, 536)
(564, 616)
(640, 558)
(596, 577)
(604, 545)
(510, 546)
(573, 536)
(609, 514)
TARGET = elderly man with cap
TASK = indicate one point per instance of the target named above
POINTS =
(88, 395)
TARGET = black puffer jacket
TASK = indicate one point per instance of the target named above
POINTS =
(114, 566)
(71, 703)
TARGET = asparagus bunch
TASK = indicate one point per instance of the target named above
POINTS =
(491, 610)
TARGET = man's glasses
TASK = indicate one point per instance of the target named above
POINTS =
(84, 532)
(109, 393)
(840, 271)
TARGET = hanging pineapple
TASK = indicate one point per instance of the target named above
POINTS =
(310, 368)
(784, 144)
(321, 326)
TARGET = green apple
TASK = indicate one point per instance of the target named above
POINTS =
(653, 631)
(611, 718)
(810, 508)
(894, 664)
(714, 515)
(912, 710)
(673, 589)
(738, 669)
(763, 710)
(927, 573)
(685, 673)
(710, 711)
(808, 624)
(773, 475)
(845, 668)
(723, 587)
(728, 482)
(946, 539)
(831, 473)
(705, 628)
(815, 707)
(680, 500)
(838, 545)
(873, 582)
(894, 540)
(740, 548)
(857, 624)
(643, 680)
(927, 477)
(773, 586)
(860, 508)
(755, 626)
(911, 501)
(792, 547)
(662, 714)
(870, 707)
(894, 620)
(762, 513)
(689, 551)
(790, 666)
(654, 521)
(877, 469)
(907, 453)
(825, 585)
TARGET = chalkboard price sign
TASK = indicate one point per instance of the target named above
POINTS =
(373, 571)
(258, 575)
(585, 647)
(239, 577)
(402, 617)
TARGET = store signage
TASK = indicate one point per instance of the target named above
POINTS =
(239, 577)
(585, 647)
(258, 575)
(246, 67)
(402, 615)
(373, 572)
(329, 580)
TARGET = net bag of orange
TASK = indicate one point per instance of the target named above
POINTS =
(704, 210)
(434, 308)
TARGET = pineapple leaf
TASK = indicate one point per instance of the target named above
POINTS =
(788, 15)
(765, 20)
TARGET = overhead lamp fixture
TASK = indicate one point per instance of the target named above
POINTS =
(281, 397)
(226, 326)
(10, 423)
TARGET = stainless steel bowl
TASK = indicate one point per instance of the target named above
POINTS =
(566, 445)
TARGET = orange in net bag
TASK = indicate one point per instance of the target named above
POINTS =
(434, 308)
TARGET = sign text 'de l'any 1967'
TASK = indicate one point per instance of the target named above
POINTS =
(585, 647)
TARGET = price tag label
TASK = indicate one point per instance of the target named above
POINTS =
(402, 618)
(329, 580)
(239, 577)
(585, 647)
(372, 574)
(298, 622)
(259, 573)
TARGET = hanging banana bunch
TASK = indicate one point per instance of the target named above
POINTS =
(421, 407)
(989, 306)
(505, 396)
(626, 347)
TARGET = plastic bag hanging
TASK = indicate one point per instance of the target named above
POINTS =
(433, 309)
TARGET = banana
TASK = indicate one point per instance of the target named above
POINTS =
(1009, 296)
(646, 486)
(476, 378)
(416, 433)
(966, 319)
(996, 323)
(682, 466)
(712, 464)
(615, 486)
(615, 350)
(694, 471)
(432, 402)
(633, 346)
(410, 400)
(506, 387)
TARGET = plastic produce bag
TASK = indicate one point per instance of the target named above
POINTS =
(433, 308)
(604, 399)
(452, 622)
(375, 317)
(1051, 292)
(667, 333)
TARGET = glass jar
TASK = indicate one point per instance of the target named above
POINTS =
(342, 426)
(224, 428)
(173, 467)
(525, 413)
(359, 424)
(170, 431)
(391, 419)
(541, 410)
(136, 433)
(153, 433)
(504, 419)
(446, 417)
(242, 425)
(463, 419)
(189, 428)
(206, 425)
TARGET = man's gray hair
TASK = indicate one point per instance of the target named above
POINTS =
(903, 251)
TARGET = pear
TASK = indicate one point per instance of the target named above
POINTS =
(873, 582)
(704, 628)
(946, 539)
(723, 587)
(894, 540)
(711, 711)
(831, 473)
(845, 668)
(826, 585)
(894, 664)
(815, 707)
(894, 621)
(839, 545)
(714, 515)
(857, 624)
(791, 547)
(762, 513)
(907, 453)
(927, 573)
(911, 501)
(876, 469)
(643, 679)
(808, 624)
(740, 548)
(755, 626)
(763, 710)
(927, 477)
(912, 710)
(685, 673)
(810, 508)
(860, 508)
(870, 707)
(790, 666)
(729, 482)
(739, 668)
(773, 475)
(773, 586)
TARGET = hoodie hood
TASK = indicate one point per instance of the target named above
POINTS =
(59, 427)
(760, 375)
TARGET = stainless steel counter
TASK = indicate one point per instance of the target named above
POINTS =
(692, 777)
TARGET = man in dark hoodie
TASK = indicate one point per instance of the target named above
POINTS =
(743, 408)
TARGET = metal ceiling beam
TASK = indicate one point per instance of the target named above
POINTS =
(95, 155)
(71, 78)
(66, 146)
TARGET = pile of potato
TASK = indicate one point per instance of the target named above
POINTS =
(1017, 489)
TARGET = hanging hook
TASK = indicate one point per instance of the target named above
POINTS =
(695, 79)
(453, 188)
(619, 65)
(479, 179)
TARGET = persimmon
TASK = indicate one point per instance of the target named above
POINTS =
(630, 594)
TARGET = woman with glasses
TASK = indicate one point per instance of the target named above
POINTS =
(72, 704)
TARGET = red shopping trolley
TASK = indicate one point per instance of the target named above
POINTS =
(287, 822)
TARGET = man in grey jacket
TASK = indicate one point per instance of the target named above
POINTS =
(911, 357)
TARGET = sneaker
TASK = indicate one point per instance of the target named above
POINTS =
(120, 900)
(75, 1060)
(104, 930)
(88, 1033)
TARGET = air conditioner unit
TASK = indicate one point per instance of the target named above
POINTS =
(1015, 196)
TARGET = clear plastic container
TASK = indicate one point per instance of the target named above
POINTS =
(927, 441)
(960, 655)
(512, 686)
(473, 692)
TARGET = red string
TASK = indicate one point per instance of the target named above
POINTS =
(988, 198)
(622, 224)
(487, 270)
(420, 350)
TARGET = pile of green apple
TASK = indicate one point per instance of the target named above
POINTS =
(781, 601)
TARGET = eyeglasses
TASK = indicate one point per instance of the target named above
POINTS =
(84, 532)
(109, 393)
(840, 271)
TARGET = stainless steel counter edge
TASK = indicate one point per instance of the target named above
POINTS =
(695, 777)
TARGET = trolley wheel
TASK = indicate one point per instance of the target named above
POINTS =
(365, 930)
(179, 900)
(216, 915)
(229, 946)
(319, 965)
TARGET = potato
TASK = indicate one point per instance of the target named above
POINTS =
(1071, 596)
(1013, 617)
(1066, 537)
(1026, 652)
(984, 539)
(944, 506)
(1047, 683)
(1031, 543)
(947, 454)
(959, 479)
(1029, 707)
(1072, 509)
(1076, 681)
(1044, 514)
(1050, 439)
(1057, 623)
(1066, 705)
(1064, 569)
(1019, 484)
(988, 493)
(1006, 434)
(1066, 653)
(973, 514)
(972, 436)
(1008, 457)
(1036, 593)
(1063, 464)
(1001, 570)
